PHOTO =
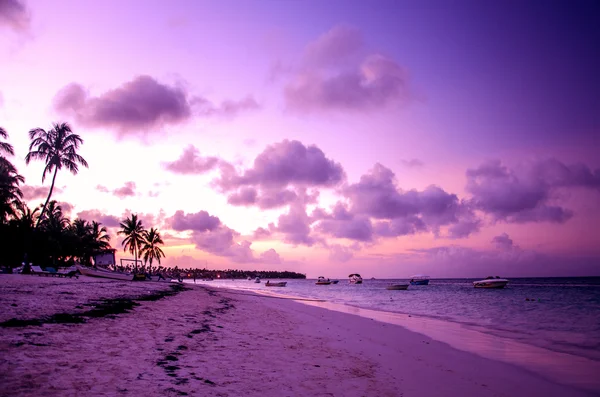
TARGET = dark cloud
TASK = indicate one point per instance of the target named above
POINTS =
(358, 228)
(200, 221)
(96, 215)
(14, 15)
(142, 105)
(295, 226)
(503, 241)
(283, 164)
(37, 192)
(125, 191)
(526, 194)
(335, 75)
(191, 162)
(266, 199)
(221, 241)
(409, 212)
(66, 208)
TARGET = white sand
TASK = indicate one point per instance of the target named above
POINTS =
(227, 343)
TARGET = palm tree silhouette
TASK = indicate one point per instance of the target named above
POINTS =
(151, 249)
(134, 235)
(57, 148)
(10, 193)
(5, 146)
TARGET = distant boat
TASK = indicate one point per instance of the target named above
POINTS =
(419, 279)
(278, 284)
(491, 282)
(249, 278)
(257, 280)
(335, 281)
(355, 278)
(397, 287)
(323, 281)
(104, 273)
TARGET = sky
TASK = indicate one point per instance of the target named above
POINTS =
(386, 138)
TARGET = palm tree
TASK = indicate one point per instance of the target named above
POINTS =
(134, 235)
(99, 236)
(5, 146)
(57, 148)
(151, 249)
(10, 193)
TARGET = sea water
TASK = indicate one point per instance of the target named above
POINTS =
(559, 314)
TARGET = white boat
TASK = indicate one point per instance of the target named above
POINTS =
(104, 273)
(491, 282)
(397, 287)
(355, 278)
(277, 284)
(257, 280)
(323, 281)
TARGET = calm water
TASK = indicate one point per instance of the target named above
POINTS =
(563, 314)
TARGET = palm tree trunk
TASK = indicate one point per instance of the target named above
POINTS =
(135, 258)
(47, 199)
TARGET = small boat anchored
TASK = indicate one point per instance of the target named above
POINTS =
(257, 280)
(277, 284)
(419, 279)
(491, 282)
(355, 278)
(323, 281)
(397, 287)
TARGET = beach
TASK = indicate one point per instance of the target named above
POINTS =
(73, 337)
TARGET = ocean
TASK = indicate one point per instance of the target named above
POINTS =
(558, 314)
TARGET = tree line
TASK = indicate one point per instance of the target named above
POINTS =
(44, 235)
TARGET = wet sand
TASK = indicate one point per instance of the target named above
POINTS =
(73, 337)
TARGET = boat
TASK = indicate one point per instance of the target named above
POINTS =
(277, 284)
(323, 281)
(104, 273)
(249, 278)
(335, 281)
(419, 279)
(491, 282)
(257, 280)
(397, 287)
(355, 278)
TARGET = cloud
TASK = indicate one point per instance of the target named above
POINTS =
(266, 199)
(282, 164)
(140, 105)
(65, 207)
(270, 257)
(125, 191)
(102, 189)
(343, 224)
(334, 76)
(412, 163)
(526, 194)
(14, 15)
(261, 233)
(503, 242)
(295, 226)
(200, 221)
(37, 192)
(227, 108)
(334, 47)
(340, 253)
(191, 162)
(409, 212)
(96, 215)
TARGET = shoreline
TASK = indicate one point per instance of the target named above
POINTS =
(561, 367)
(217, 342)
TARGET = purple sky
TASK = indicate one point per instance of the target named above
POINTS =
(386, 137)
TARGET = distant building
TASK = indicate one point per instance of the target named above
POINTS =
(105, 257)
